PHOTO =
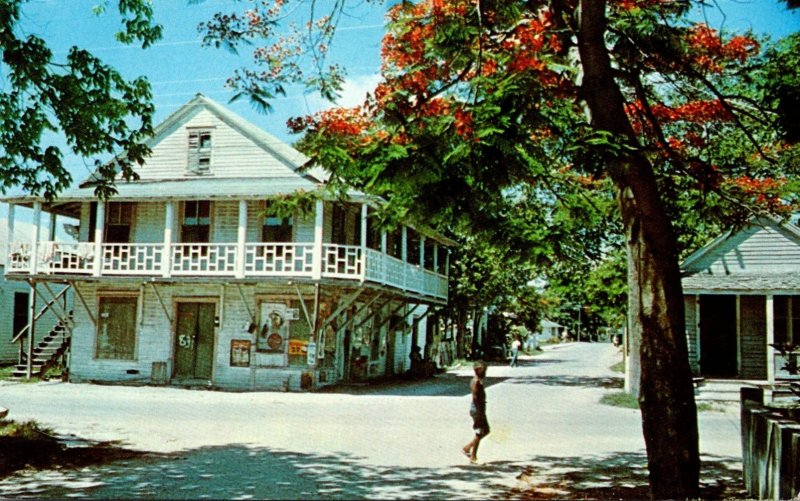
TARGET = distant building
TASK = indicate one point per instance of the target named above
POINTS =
(549, 330)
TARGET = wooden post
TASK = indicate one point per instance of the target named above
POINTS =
(166, 253)
(319, 222)
(241, 239)
(364, 215)
(404, 255)
(10, 226)
(770, 335)
(422, 252)
(37, 222)
(100, 224)
(436, 257)
(384, 254)
(31, 329)
(738, 335)
(51, 230)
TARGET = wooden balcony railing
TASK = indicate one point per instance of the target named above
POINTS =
(346, 262)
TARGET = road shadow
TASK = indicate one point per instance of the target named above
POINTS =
(606, 382)
(447, 384)
(239, 472)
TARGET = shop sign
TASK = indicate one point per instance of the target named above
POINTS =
(297, 347)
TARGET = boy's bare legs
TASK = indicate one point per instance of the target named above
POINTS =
(471, 449)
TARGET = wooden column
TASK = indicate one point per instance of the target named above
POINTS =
(436, 257)
(100, 224)
(770, 338)
(51, 230)
(241, 239)
(166, 253)
(364, 216)
(319, 227)
(384, 254)
(10, 227)
(37, 222)
(404, 255)
(738, 335)
(31, 328)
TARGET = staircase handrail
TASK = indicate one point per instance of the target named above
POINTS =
(46, 307)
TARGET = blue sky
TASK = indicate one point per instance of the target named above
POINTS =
(179, 67)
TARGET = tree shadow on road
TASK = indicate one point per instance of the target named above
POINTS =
(607, 382)
(240, 472)
(448, 384)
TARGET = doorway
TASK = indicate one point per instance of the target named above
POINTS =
(194, 340)
(718, 356)
(20, 312)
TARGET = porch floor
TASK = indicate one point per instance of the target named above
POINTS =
(723, 390)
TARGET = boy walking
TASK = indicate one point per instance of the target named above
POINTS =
(477, 410)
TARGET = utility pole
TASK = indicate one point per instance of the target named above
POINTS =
(580, 307)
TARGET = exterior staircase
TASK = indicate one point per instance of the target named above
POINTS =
(46, 353)
(721, 390)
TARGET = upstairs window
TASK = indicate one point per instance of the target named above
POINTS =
(199, 151)
(118, 222)
(276, 229)
(196, 225)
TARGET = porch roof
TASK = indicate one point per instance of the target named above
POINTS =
(746, 284)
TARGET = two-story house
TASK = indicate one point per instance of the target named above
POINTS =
(186, 276)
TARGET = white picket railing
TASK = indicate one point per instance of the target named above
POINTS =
(347, 262)
(279, 259)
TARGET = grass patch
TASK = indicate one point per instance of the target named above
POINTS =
(5, 372)
(620, 399)
(618, 367)
(711, 407)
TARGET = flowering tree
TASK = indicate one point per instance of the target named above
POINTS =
(487, 106)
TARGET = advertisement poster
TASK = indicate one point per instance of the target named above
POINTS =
(240, 352)
(273, 331)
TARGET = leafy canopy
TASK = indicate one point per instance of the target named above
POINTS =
(80, 99)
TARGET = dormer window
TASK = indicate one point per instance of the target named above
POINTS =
(199, 151)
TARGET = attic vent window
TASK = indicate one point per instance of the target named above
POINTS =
(199, 151)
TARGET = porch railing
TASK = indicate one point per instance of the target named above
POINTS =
(347, 262)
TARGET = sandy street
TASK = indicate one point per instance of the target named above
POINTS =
(550, 437)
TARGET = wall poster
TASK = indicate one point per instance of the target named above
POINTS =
(273, 331)
(240, 352)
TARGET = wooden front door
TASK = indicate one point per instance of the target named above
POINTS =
(194, 340)
(718, 336)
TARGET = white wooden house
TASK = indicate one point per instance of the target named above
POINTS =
(741, 295)
(186, 277)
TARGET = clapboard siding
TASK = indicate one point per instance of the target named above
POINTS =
(691, 322)
(232, 154)
(753, 343)
(756, 249)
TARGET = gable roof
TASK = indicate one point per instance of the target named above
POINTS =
(289, 156)
(760, 257)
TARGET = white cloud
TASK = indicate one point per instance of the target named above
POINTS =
(354, 91)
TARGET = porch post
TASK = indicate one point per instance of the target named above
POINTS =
(100, 224)
(37, 222)
(51, 230)
(384, 246)
(770, 338)
(364, 216)
(166, 253)
(738, 335)
(10, 232)
(422, 252)
(404, 256)
(241, 239)
(436, 257)
(31, 328)
(318, 233)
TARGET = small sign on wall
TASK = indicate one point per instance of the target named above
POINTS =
(240, 352)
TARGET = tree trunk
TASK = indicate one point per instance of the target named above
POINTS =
(655, 302)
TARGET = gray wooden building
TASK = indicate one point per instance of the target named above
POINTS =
(742, 294)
